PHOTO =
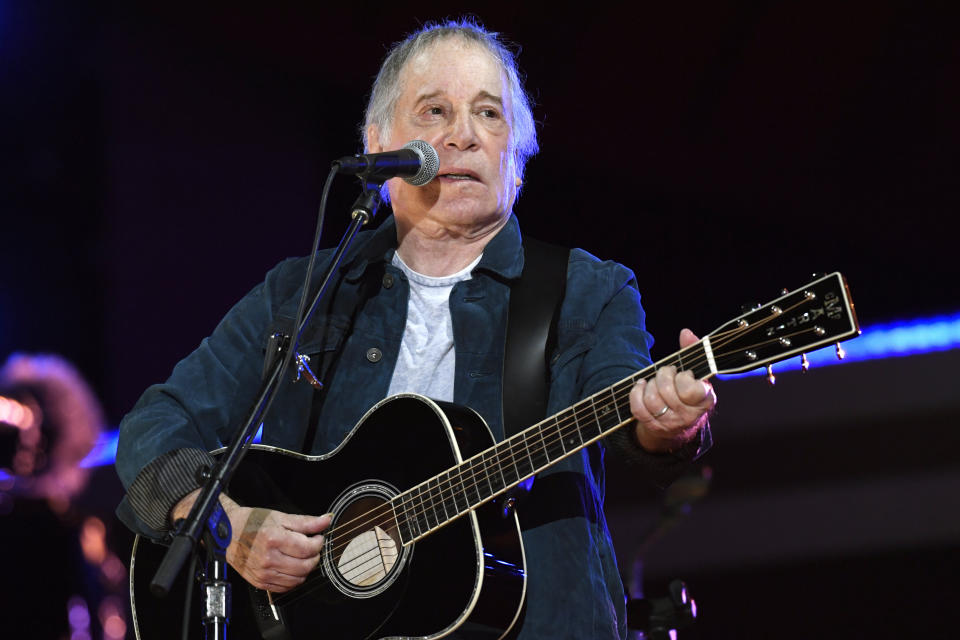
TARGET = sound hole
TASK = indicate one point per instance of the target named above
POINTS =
(366, 547)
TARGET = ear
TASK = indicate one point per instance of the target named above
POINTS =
(516, 167)
(373, 139)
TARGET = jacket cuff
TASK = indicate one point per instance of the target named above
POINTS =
(163, 483)
(662, 468)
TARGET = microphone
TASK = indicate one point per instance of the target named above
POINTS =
(417, 163)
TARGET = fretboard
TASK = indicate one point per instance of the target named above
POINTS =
(444, 497)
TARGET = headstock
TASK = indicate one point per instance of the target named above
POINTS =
(807, 318)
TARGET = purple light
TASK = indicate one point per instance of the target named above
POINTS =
(78, 614)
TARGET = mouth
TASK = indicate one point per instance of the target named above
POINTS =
(458, 175)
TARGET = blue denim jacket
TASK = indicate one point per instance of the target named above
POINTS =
(574, 587)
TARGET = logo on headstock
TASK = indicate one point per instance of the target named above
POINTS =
(834, 306)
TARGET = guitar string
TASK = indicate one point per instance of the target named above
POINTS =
(436, 494)
(582, 406)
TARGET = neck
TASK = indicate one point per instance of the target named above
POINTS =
(439, 249)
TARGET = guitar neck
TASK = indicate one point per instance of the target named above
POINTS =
(816, 314)
(444, 497)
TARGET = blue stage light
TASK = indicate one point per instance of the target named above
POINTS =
(881, 341)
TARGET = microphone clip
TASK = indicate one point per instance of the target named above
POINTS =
(367, 203)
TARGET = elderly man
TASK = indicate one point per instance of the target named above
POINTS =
(421, 307)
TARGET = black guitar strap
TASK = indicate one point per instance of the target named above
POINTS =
(531, 334)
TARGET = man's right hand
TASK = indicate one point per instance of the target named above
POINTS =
(272, 550)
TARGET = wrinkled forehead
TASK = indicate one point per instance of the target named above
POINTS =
(470, 62)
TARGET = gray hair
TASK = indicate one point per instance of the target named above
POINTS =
(386, 88)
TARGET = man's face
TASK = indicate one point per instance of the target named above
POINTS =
(454, 96)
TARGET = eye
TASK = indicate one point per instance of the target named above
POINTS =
(490, 113)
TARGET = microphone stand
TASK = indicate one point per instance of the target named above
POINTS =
(207, 517)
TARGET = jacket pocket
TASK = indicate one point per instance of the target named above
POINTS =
(320, 339)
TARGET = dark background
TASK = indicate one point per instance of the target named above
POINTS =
(156, 161)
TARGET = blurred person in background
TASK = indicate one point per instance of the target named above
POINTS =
(61, 580)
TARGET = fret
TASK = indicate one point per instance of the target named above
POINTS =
(492, 468)
(571, 433)
(407, 525)
(551, 438)
(623, 403)
(613, 403)
(597, 419)
(537, 449)
(607, 417)
(436, 501)
(500, 457)
(590, 426)
(420, 511)
(508, 463)
(461, 501)
(427, 511)
(473, 477)
(447, 496)
(521, 456)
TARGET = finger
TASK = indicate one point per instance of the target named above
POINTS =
(665, 391)
(693, 392)
(276, 582)
(306, 524)
(637, 405)
(297, 545)
(687, 338)
(290, 565)
(652, 406)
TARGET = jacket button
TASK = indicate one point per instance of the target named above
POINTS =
(387, 280)
(374, 354)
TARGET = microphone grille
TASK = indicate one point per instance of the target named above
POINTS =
(429, 162)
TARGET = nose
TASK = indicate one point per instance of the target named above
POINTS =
(461, 133)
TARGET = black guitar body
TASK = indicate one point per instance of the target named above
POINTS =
(467, 579)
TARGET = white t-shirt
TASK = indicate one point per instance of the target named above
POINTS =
(427, 358)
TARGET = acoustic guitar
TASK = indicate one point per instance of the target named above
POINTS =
(423, 544)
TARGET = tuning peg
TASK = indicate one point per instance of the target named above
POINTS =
(804, 363)
(816, 275)
(772, 379)
(784, 291)
(749, 306)
(841, 354)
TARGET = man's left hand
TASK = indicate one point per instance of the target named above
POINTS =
(672, 407)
